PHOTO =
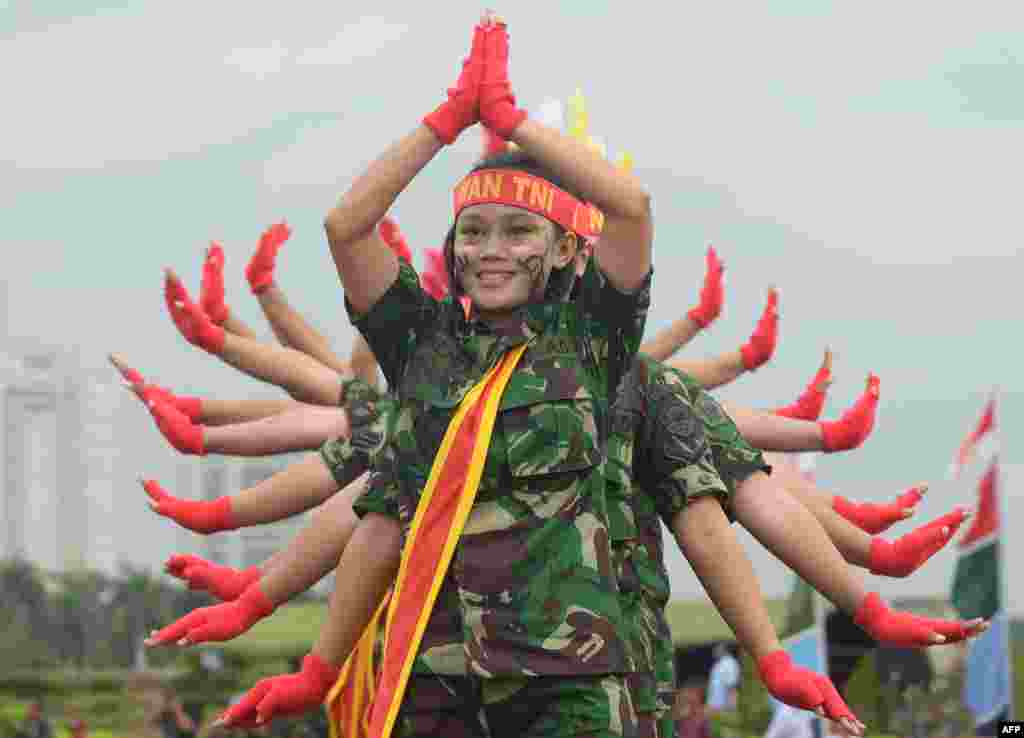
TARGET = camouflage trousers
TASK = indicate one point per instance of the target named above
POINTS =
(517, 707)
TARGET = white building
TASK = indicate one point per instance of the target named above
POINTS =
(74, 444)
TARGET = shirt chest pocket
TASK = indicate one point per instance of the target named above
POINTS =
(552, 435)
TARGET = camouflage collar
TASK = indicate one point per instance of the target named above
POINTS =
(533, 320)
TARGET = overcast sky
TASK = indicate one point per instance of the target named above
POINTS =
(864, 157)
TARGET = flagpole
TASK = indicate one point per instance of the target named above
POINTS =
(821, 636)
(1004, 580)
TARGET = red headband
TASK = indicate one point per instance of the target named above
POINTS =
(522, 190)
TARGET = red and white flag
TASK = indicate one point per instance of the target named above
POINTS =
(980, 442)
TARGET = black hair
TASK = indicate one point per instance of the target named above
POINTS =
(698, 684)
(561, 281)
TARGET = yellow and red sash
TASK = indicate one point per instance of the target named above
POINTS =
(440, 517)
(349, 699)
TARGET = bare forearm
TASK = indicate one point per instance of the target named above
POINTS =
(226, 412)
(315, 550)
(713, 372)
(671, 339)
(365, 264)
(789, 530)
(770, 432)
(298, 488)
(295, 331)
(366, 570)
(301, 376)
(710, 545)
(627, 232)
(363, 362)
(303, 429)
(853, 543)
(238, 327)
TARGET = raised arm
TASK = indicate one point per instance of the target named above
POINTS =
(624, 252)
(366, 266)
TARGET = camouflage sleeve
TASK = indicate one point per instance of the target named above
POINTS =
(734, 458)
(370, 417)
(381, 496)
(396, 322)
(614, 321)
(676, 461)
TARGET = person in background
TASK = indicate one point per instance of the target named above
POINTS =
(690, 712)
(724, 680)
(788, 722)
(35, 724)
(171, 720)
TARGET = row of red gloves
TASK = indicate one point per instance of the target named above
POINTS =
(178, 417)
(247, 604)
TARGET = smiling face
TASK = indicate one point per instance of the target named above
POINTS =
(504, 256)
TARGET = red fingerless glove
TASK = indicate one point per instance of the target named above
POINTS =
(856, 424)
(191, 321)
(434, 278)
(462, 108)
(190, 407)
(393, 237)
(260, 270)
(289, 694)
(801, 687)
(180, 432)
(905, 555)
(498, 109)
(907, 630)
(211, 289)
(200, 516)
(808, 406)
(761, 346)
(711, 294)
(218, 622)
(223, 582)
(875, 518)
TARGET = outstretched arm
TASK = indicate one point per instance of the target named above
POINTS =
(204, 410)
(254, 594)
(712, 372)
(301, 376)
(683, 330)
(367, 569)
(725, 368)
(774, 432)
(298, 488)
(771, 515)
(211, 294)
(717, 557)
(303, 428)
(297, 333)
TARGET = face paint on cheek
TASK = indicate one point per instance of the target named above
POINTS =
(534, 266)
(461, 263)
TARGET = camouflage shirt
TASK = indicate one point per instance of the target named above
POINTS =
(660, 460)
(532, 575)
